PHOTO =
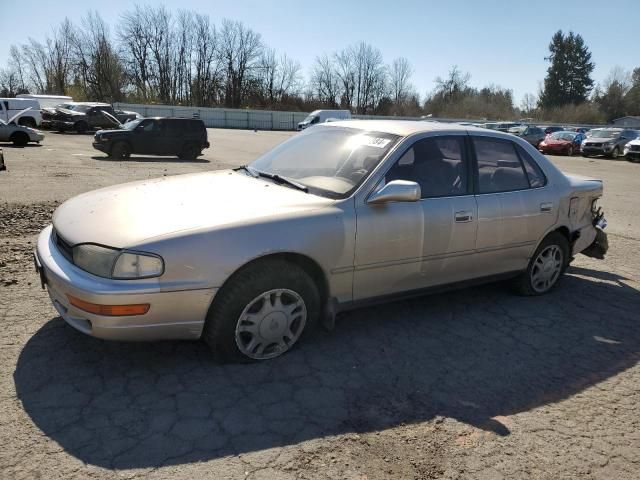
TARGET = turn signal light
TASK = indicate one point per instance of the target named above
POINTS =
(109, 310)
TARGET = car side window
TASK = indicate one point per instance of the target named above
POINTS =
(149, 126)
(437, 164)
(499, 167)
(534, 172)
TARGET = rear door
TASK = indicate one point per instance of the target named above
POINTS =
(516, 206)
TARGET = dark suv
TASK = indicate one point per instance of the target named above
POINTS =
(183, 137)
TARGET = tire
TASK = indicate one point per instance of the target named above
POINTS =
(81, 127)
(614, 153)
(541, 277)
(27, 122)
(190, 151)
(254, 292)
(121, 151)
(19, 139)
(569, 151)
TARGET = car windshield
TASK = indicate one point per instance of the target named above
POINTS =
(131, 124)
(330, 161)
(605, 134)
(563, 136)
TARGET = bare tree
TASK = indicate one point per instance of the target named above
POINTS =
(400, 72)
(159, 45)
(455, 83)
(325, 81)
(134, 34)
(206, 81)
(528, 104)
(97, 65)
(239, 51)
(279, 77)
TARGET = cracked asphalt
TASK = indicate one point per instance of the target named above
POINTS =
(472, 384)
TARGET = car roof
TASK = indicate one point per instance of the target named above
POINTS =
(402, 128)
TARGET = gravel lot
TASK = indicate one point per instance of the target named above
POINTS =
(476, 384)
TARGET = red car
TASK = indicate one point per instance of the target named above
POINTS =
(566, 143)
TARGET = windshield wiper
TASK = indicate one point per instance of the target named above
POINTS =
(247, 169)
(282, 180)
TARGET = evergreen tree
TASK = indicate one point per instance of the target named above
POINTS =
(568, 79)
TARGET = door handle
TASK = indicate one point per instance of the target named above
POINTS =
(462, 217)
(546, 207)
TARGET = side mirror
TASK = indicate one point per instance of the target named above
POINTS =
(396, 191)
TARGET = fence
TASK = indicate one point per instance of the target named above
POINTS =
(222, 117)
(259, 119)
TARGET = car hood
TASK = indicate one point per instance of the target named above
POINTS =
(126, 215)
(601, 140)
(70, 113)
(634, 142)
(557, 142)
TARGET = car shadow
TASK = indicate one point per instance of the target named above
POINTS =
(11, 145)
(473, 355)
(150, 159)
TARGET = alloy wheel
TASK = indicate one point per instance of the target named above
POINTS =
(271, 324)
(547, 268)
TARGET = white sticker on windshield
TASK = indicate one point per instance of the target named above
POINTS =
(367, 141)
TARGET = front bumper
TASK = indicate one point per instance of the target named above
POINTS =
(174, 314)
(102, 146)
(596, 150)
(632, 155)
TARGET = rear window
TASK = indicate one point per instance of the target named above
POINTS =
(499, 167)
(534, 172)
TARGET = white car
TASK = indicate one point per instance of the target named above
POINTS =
(19, 135)
(632, 150)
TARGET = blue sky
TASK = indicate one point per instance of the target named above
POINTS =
(496, 41)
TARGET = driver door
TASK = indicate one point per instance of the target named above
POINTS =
(405, 246)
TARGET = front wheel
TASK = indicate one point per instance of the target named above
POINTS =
(19, 139)
(546, 266)
(121, 151)
(262, 312)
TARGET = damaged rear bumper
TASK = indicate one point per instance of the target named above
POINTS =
(599, 247)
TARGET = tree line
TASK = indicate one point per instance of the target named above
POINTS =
(153, 55)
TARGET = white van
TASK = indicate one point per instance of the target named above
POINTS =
(321, 116)
(47, 101)
(10, 106)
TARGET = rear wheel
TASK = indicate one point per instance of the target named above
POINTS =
(19, 139)
(190, 152)
(121, 151)
(546, 266)
(262, 312)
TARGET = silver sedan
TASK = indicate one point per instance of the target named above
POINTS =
(344, 214)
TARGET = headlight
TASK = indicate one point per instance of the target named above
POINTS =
(95, 259)
(137, 265)
(117, 264)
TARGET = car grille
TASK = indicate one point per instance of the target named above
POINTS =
(65, 248)
(635, 148)
(590, 144)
